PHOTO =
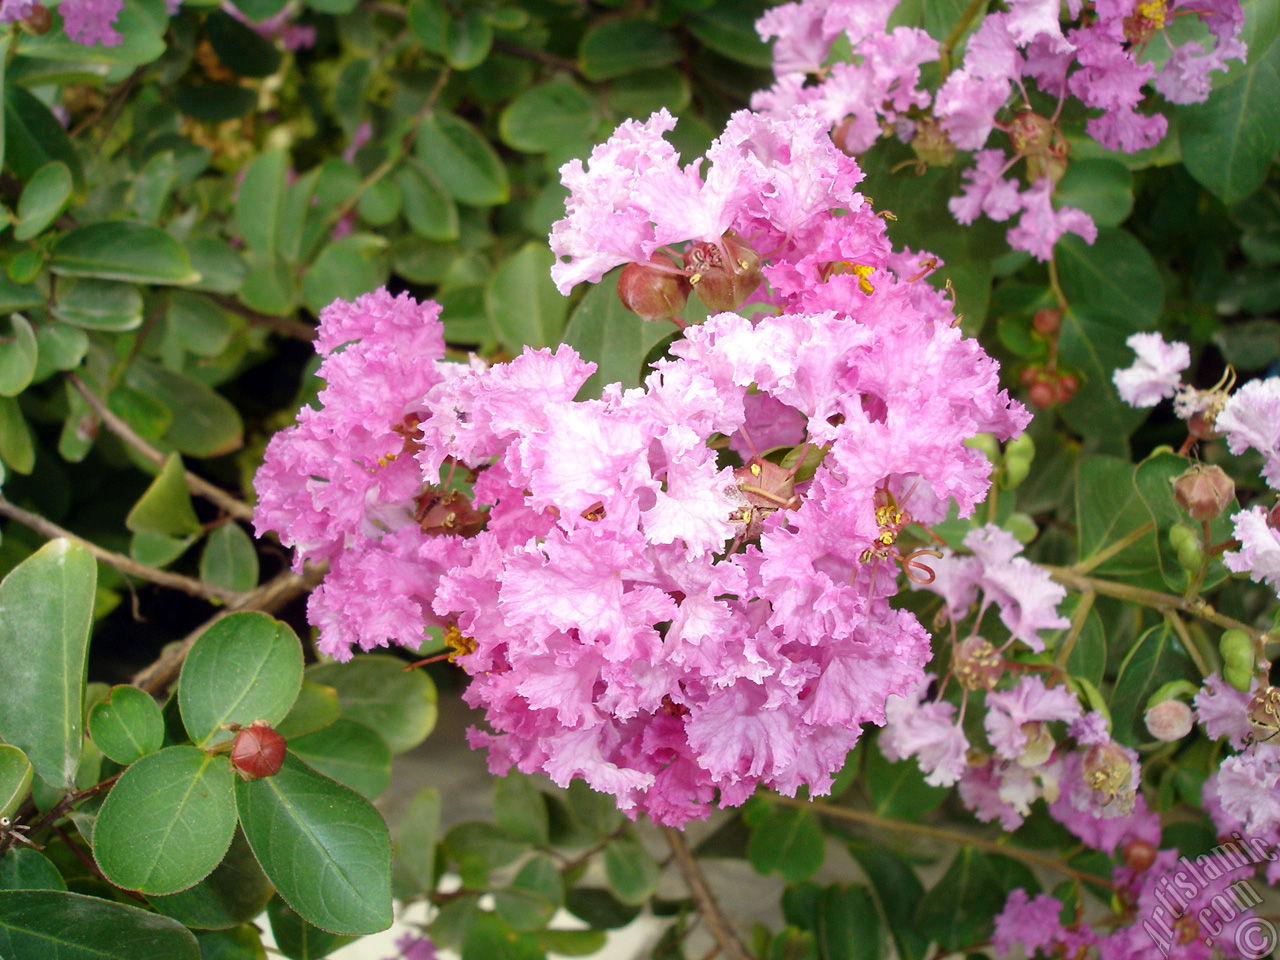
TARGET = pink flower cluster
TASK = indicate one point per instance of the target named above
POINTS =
(678, 592)
(1100, 58)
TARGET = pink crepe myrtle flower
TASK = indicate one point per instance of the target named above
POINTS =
(929, 732)
(92, 22)
(1259, 553)
(1156, 374)
(1251, 419)
(1028, 702)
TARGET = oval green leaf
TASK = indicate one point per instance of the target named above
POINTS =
(99, 305)
(33, 136)
(246, 667)
(323, 845)
(545, 116)
(375, 690)
(235, 893)
(165, 507)
(464, 161)
(57, 925)
(167, 822)
(632, 872)
(46, 607)
(23, 868)
(616, 47)
(123, 250)
(229, 559)
(350, 753)
(43, 198)
(126, 725)
(15, 779)
(205, 424)
(605, 332)
(345, 269)
(18, 354)
(17, 446)
(315, 708)
(523, 304)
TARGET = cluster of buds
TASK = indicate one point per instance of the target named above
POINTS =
(1047, 386)
(722, 274)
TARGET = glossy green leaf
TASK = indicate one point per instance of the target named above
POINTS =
(428, 21)
(730, 29)
(611, 48)
(46, 607)
(1155, 659)
(467, 37)
(380, 202)
(221, 268)
(597, 812)
(605, 332)
(205, 424)
(631, 870)
(430, 211)
(466, 164)
(489, 938)
(15, 779)
(33, 136)
(123, 250)
(375, 690)
(898, 892)
(147, 415)
(126, 724)
(198, 324)
(787, 840)
(43, 198)
(261, 199)
(297, 939)
(350, 753)
(1229, 140)
(269, 286)
(958, 912)
(533, 897)
(23, 868)
(345, 269)
(229, 559)
(57, 925)
(1109, 508)
(15, 296)
(167, 822)
(17, 446)
(1154, 479)
(234, 893)
(523, 304)
(417, 837)
(315, 708)
(519, 808)
(898, 788)
(58, 347)
(324, 847)
(1101, 188)
(239, 47)
(246, 667)
(237, 943)
(18, 353)
(99, 305)
(547, 115)
(152, 185)
(485, 842)
(165, 507)
(640, 94)
(849, 925)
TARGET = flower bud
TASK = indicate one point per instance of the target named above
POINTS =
(1204, 492)
(1170, 720)
(257, 751)
(725, 274)
(39, 21)
(1139, 855)
(1186, 545)
(1273, 517)
(651, 292)
(1047, 321)
(976, 664)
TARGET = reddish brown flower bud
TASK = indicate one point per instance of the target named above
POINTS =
(1047, 321)
(725, 274)
(1169, 720)
(1273, 517)
(1068, 384)
(39, 20)
(1043, 393)
(1139, 855)
(257, 752)
(654, 293)
(1204, 492)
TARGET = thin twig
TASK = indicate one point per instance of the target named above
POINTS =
(538, 56)
(126, 565)
(708, 906)
(941, 833)
(269, 597)
(285, 326)
(198, 485)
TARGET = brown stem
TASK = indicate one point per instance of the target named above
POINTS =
(126, 565)
(198, 485)
(271, 596)
(538, 56)
(708, 906)
(285, 326)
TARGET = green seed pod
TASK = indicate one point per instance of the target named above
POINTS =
(1187, 546)
(1239, 677)
(987, 443)
(1236, 648)
(1018, 454)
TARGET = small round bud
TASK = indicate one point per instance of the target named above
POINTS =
(1068, 384)
(1043, 393)
(1273, 517)
(724, 274)
(1029, 375)
(39, 20)
(652, 292)
(257, 752)
(1139, 855)
(976, 664)
(1016, 464)
(1170, 720)
(1204, 492)
(1186, 546)
(1047, 321)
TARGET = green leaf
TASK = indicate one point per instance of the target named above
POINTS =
(123, 250)
(260, 201)
(605, 332)
(430, 211)
(214, 102)
(1108, 508)
(220, 267)
(519, 808)
(1156, 658)
(99, 305)
(1088, 658)
(1113, 290)
(324, 847)
(466, 164)
(1228, 141)
(898, 788)
(199, 324)
(381, 201)
(46, 607)
(43, 198)
(960, 909)
(15, 296)
(1100, 187)
(848, 924)
(345, 269)
(898, 893)
(523, 304)
(22, 868)
(533, 897)
(33, 136)
(59, 347)
(315, 708)
(350, 753)
(467, 37)
(640, 94)
(17, 446)
(572, 943)
(489, 938)
(484, 842)
(246, 667)
(418, 836)
(298, 939)
(167, 822)
(205, 424)
(375, 690)
(152, 185)
(138, 28)
(1154, 479)
(56, 925)
(235, 893)
(165, 507)
(547, 115)
(144, 413)
(788, 840)
(611, 48)
(126, 725)
(15, 779)
(238, 943)
(18, 354)
(240, 48)
(599, 908)
(229, 559)
(730, 30)
(632, 872)
(268, 285)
